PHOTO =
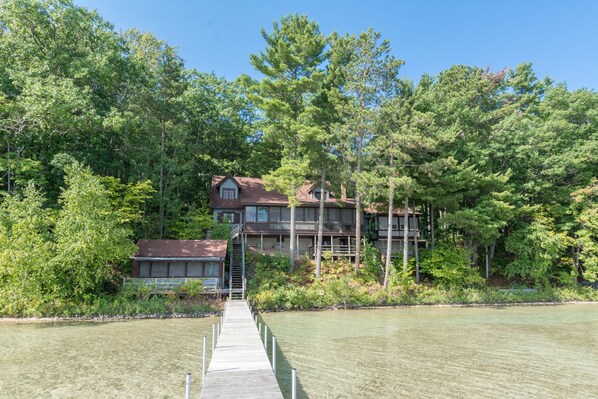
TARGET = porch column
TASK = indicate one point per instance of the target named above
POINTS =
(279, 243)
(332, 245)
(261, 242)
(349, 239)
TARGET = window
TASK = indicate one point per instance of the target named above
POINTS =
(383, 223)
(285, 214)
(144, 269)
(299, 214)
(159, 269)
(347, 216)
(333, 215)
(262, 214)
(317, 194)
(310, 215)
(274, 214)
(210, 269)
(194, 269)
(228, 193)
(177, 269)
(228, 216)
(250, 214)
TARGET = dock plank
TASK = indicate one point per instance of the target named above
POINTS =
(239, 367)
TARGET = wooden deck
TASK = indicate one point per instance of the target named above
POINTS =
(239, 367)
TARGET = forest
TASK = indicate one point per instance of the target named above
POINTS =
(107, 137)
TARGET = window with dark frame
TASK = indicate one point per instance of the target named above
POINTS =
(262, 214)
(250, 214)
(228, 216)
(228, 193)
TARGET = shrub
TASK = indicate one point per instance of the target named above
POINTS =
(449, 267)
(191, 289)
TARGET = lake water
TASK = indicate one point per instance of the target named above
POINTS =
(122, 359)
(512, 352)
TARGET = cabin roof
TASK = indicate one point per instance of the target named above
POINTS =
(204, 249)
(253, 192)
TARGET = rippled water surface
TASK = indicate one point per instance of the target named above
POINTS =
(124, 359)
(512, 352)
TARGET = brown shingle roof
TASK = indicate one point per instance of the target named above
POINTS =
(253, 192)
(181, 249)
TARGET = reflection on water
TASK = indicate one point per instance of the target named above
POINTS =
(124, 359)
(513, 352)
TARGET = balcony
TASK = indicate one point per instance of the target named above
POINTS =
(300, 227)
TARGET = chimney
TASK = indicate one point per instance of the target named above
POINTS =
(343, 191)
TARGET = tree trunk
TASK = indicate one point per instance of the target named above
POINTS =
(406, 235)
(432, 224)
(321, 223)
(8, 171)
(357, 231)
(292, 240)
(487, 263)
(389, 232)
(474, 252)
(416, 248)
(358, 207)
(161, 184)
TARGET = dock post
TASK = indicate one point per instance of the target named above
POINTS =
(293, 384)
(188, 386)
(203, 366)
(218, 330)
(266, 337)
(274, 354)
(213, 337)
(255, 318)
(259, 328)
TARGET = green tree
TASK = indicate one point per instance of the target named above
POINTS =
(91, 240)
(26, 250)
(366, 73)
(537, 247)
(291, 65)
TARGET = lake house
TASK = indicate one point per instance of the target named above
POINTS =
(173, 262)
(262, 217)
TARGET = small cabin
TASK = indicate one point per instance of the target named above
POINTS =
(177, 261)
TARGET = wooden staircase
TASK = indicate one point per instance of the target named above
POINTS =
(237, 264)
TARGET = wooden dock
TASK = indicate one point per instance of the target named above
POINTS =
(239, 367)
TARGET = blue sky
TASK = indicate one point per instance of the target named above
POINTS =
(560, 38)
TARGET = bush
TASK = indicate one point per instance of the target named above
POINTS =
(449, 267)
(370, 257)
(191, 289)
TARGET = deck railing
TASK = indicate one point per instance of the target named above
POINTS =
(161, 284)
(335, 250)
(329, 227)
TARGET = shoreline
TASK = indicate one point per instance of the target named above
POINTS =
(113, 318)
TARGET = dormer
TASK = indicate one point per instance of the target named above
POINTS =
(228, 188)
(316, 193)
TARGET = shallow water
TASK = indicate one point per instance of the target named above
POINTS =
(122, 359)
(511, 352)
